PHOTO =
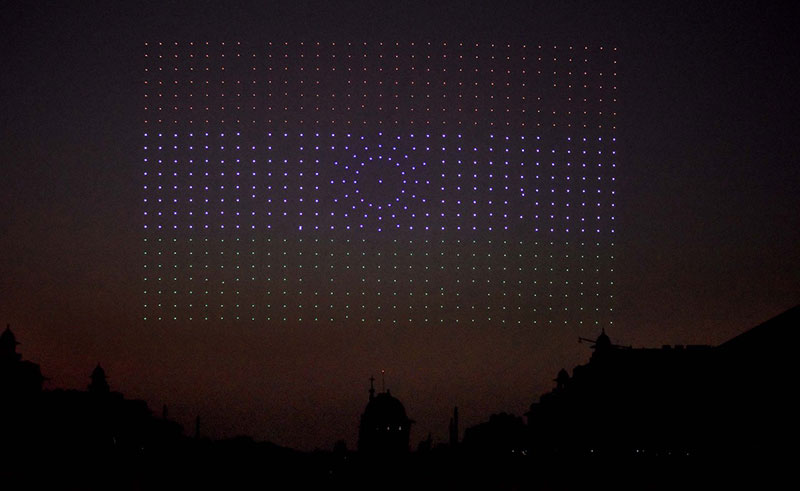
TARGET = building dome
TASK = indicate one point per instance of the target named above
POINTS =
(603, 341)
(386, 410)
(385, 427)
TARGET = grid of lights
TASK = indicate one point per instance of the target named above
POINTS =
(382, 183)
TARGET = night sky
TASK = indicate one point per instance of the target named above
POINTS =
(453, 229)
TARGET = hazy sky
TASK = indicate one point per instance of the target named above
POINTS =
(706, 209)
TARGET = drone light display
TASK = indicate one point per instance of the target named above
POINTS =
(379, 183)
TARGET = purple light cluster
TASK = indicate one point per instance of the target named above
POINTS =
(379, 183)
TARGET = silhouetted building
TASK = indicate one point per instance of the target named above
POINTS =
(503, 434)
(60, 426)
(758, 384)
(18, 378)
(425, 445)
(676, 400)
(385, 428)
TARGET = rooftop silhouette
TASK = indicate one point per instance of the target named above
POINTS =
(673, 409)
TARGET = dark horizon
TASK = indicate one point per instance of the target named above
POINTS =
(628, 417)
(706, 223)
(760, 344)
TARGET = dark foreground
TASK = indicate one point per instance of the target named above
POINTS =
(244, 464)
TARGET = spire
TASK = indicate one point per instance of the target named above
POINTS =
(371, 387)
(454, 428)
